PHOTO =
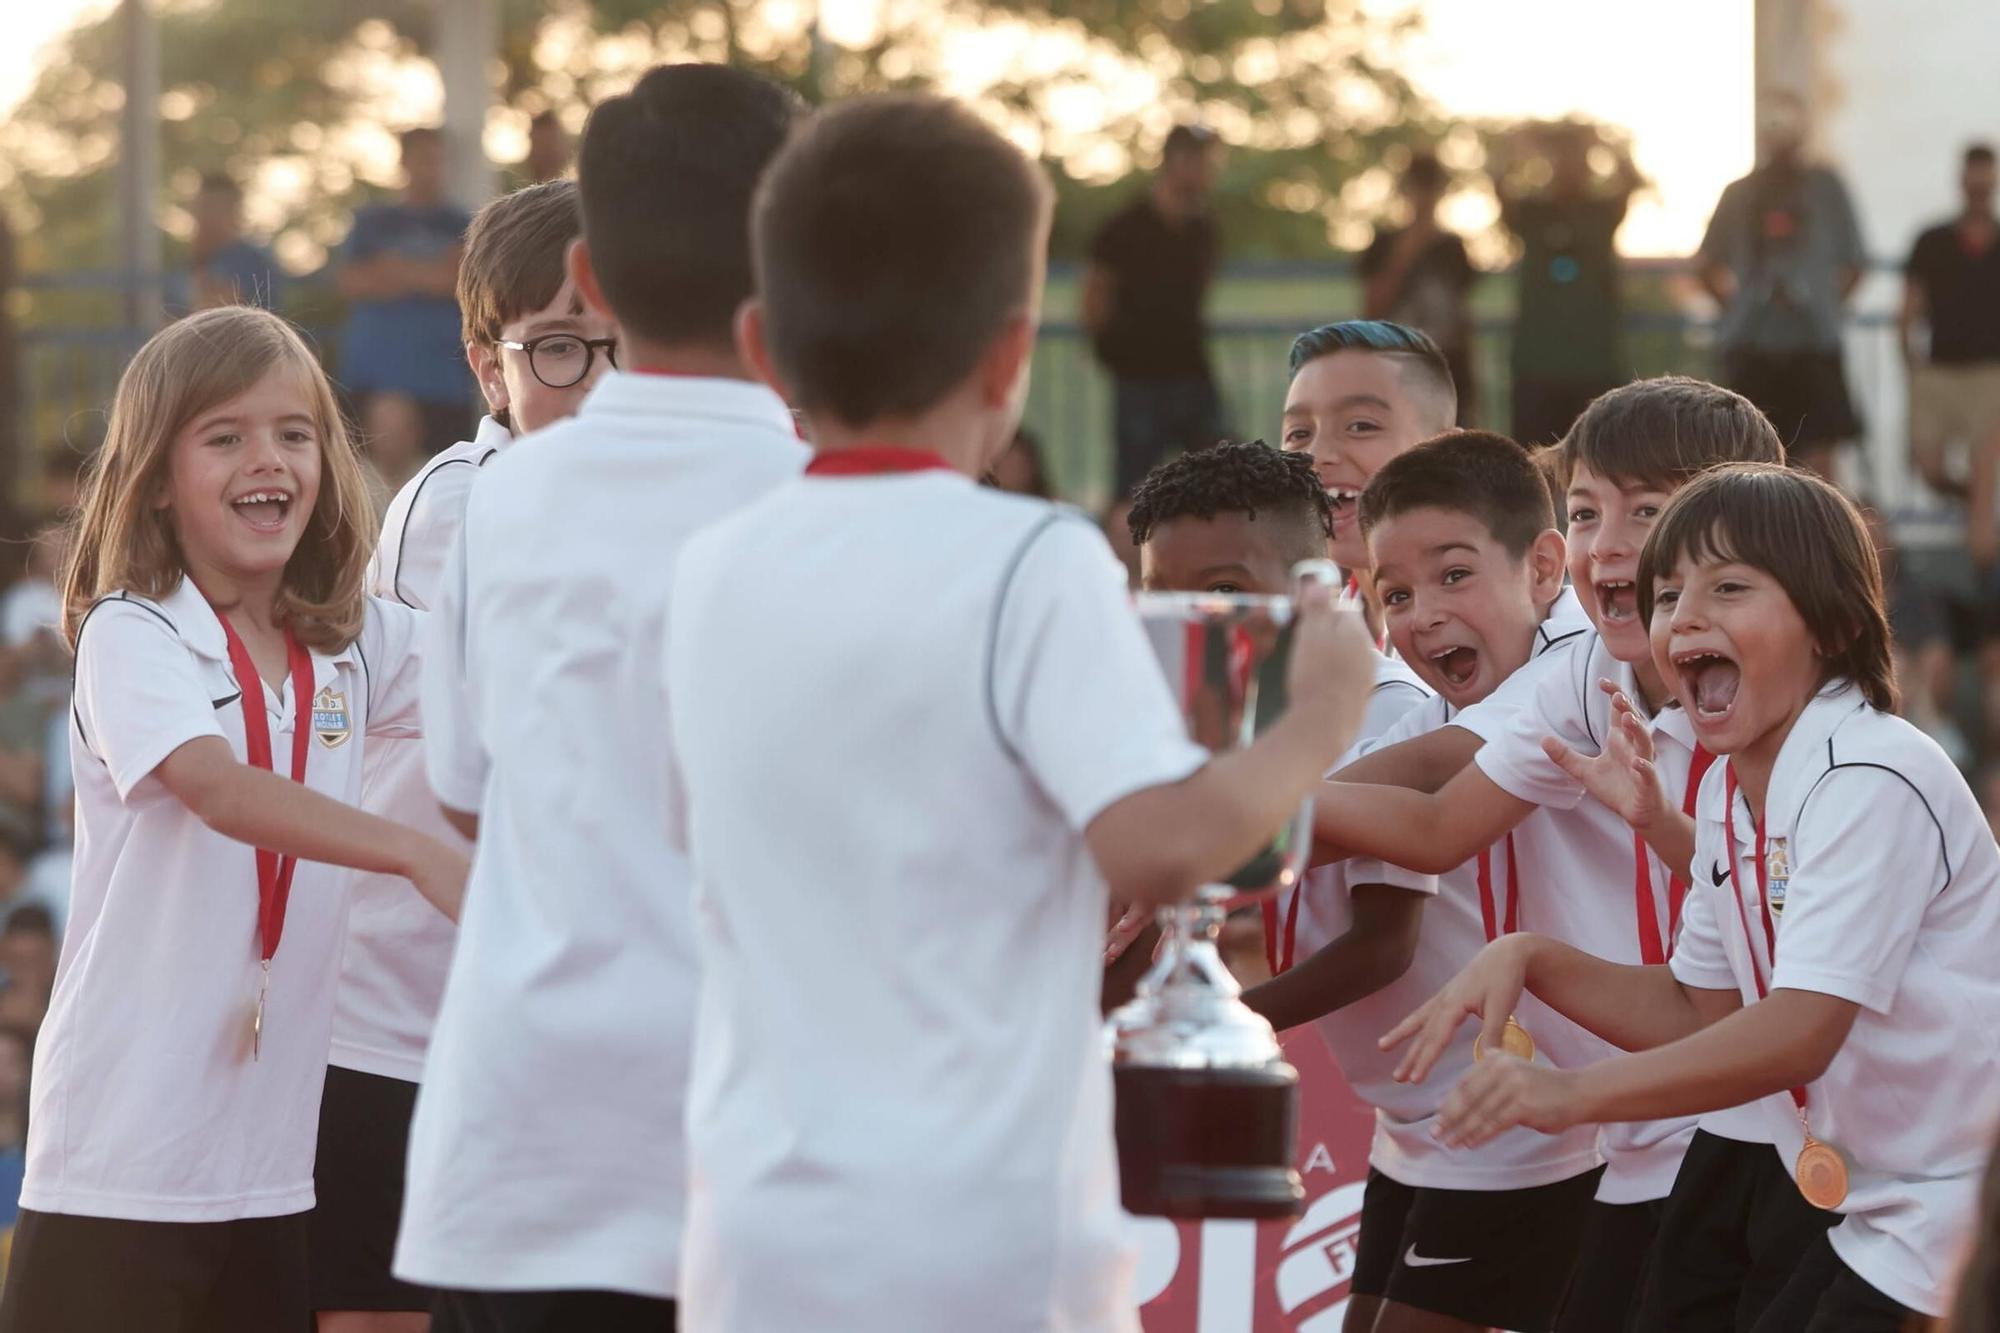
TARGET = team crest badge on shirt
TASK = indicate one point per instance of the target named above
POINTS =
(330, 721)
(1777, 876)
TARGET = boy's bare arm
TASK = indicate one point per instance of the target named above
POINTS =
(1375, 951)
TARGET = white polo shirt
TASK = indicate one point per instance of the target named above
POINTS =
(146, 1103)
(1893, 902)
(1453, 931)
(546, 1147)
(897, 702)
(398, 945)
(1583, 866)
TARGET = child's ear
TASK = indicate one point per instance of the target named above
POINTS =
(1548, 558)
(485, 363)
(577, 260)
(750, 345)
(1003, 367)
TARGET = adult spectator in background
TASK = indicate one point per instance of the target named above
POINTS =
(224, 268)
(1419, 275)
(1144, 291)
(1568, 343)
(1782, 254)
(400, 355)
(1020, 469)
(550, 150)
(1952, 284)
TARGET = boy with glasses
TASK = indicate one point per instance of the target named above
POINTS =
(535, 350)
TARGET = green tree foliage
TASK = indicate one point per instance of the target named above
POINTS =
(293, 99)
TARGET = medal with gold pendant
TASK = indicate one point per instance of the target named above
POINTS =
(1821, 1172)
(257, 1013)
(1514, 1040)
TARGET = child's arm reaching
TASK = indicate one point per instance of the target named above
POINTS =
(1426, 832)
(1422, 763)
(1784, 1041)
(1632, 1007)
(1622, 778)
(1375, 952)
(265, 810)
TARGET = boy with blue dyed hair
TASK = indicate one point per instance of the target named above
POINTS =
(1363, 391)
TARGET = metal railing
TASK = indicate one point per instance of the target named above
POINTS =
(73, 348)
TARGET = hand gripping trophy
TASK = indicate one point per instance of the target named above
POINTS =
(1206, 1104)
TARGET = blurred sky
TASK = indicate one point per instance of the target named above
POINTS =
(1681, 85)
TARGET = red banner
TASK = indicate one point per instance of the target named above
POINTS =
(1272, 1277)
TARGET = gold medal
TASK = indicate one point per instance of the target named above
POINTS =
(257, 1014)
(1514, 1040)
(1822, 1174)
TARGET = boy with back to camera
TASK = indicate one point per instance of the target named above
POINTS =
(900, 1113)
(547, 1174)
(536, 350)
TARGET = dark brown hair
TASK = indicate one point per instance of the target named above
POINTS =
(666, 175)
(1807, 536)
(1485, 476)
(1660, 432)
(513, 261)
(895, 237)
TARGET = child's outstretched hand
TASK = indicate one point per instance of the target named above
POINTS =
(1500, 1092)
(1488, 989)
(1621, 777)
(1129, 926)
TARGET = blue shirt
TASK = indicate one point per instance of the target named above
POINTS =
(242, 267)
(408, 344)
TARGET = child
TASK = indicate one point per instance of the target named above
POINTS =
(1238, 518)
(224, 645)
(1362, 392)
(1620, 463)
(900, 1113)
(1835, 967)
(1469, 566)
(535, 350)
(546, 1176)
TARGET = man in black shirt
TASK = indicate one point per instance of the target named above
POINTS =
(1143, 293)
(1418, 275)
(1568, 329)
(1952, 283)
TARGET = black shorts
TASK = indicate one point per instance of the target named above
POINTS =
(1611, 1265)
(1496, 1258)
(1733, 1234)
(364, 1138)
(1803, 393)
(73, 1274)
(1824, 1295)
(550, 1312)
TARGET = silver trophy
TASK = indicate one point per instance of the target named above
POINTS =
(1207, 1106)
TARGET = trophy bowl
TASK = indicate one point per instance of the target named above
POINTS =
(1207, 1106)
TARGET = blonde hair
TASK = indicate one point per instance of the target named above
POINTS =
(121, 539)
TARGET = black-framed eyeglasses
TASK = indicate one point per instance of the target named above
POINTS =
(562, 359)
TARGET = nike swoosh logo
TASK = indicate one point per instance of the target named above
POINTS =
(1411, 1259)
(1719, 875)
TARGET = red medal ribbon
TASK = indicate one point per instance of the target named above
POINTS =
(274, 872)
(868, 460)
(1651, 950)
(1497, 923)
(1763, 901)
